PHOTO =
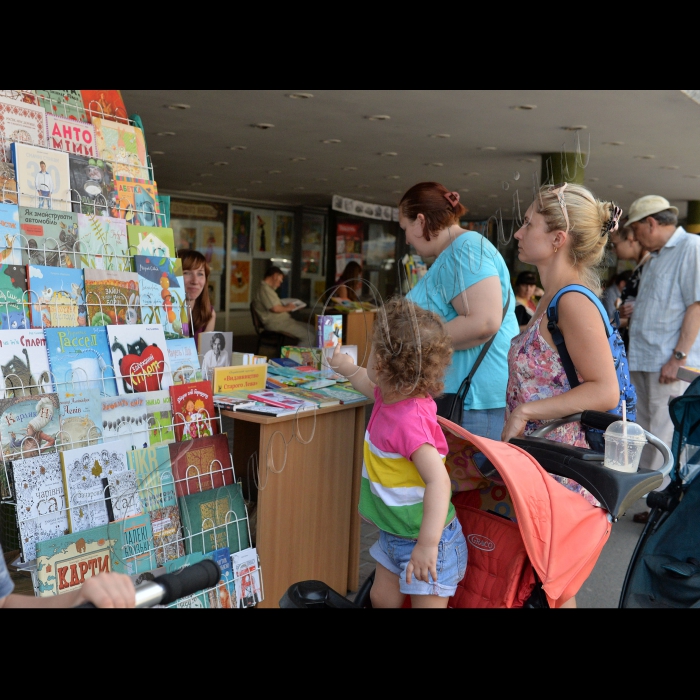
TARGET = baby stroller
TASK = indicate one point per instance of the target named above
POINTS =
(664, 571)
(531, 541)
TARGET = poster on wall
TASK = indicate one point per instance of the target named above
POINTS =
(284, 229)
(241, 231)
(240, 283)
(348, 245)
(211, 244)
(185, 233)
(263, 240)
(312, 228)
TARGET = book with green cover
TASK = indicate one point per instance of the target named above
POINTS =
(13, 297)
(103, 244)
(158, 241)
(134, 549)
(214, 519)
(343, 394)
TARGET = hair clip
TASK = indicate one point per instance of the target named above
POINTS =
(612, 223)
(452, 198)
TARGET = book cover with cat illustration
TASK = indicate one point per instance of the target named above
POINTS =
(83, 470)
(151, 240)
(10, 238)
(41, 503)
(125, 417)
(103, 243)
(139, 357)
(137, 201)
(29, 425)
(162, 290)
(92, 185)
(57, 296)
(48, 237)
(24, 363)
(13, 297)
(81, 416)
(112, 297)
(80, 359)
(123, 145)
(193, 410)
(43, 177)
(63, 104)
(201, 464)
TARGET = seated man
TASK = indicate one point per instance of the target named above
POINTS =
(275, 315)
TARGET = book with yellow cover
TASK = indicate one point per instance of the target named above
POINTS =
(248, 377)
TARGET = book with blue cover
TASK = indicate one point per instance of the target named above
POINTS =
(48, 237)
(13, 297)
(183, 360)
(162, 289)
(56, 296)
(134, 547)
(80, 358)
(10, 238)
(81, 415)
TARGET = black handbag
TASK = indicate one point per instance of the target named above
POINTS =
(451, 406)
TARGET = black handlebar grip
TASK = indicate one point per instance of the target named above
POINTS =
(189, 580)
(598, 419)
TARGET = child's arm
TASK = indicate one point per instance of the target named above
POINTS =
(436, 500)
(343, 364)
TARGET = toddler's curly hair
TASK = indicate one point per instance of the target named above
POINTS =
(412, 349)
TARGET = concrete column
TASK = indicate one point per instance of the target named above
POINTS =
(561, 167)
(693, 223)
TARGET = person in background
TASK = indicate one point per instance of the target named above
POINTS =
(349, 284)
(613, 292)
(525, 290)
(195, 271)
(664, 329)
(468, 287)
(107, 590)
(275, 315)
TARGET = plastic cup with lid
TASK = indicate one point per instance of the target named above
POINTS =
(624, 442)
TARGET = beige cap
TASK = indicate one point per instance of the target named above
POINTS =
(646, 206)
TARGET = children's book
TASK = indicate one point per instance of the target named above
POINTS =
(193, 410)
(214, 519)
(83, 470)
(123, 145)
(345, 395)
(80, 358)
(223, 595)
(41, 504)
(65, 563)
(137, 202)
(13, 297)
(20, 122)
(8, 182)
(43, 177)
(121, 495)
(64, 104)
(81, 415)
(70, 135)
(103, 244)
(10, 238)
(139, 357)
(57, 296)
(106, 104)
(24, 363)
(151, 240)
(201, 464)
(304, 356)
(281, 400)
(125, 417)
(48, 237)
(29, 425)
(162, 290)
(198, 600)
(246, 574)
(183, 360)
(112, 297)
(287, 362)
(329, 330)
(227, 380)
(313, 397)
(160, 417)
(92, 186)
(134, 548)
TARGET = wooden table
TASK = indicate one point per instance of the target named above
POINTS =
(307, 524)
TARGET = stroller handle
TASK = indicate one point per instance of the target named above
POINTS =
(577, 417)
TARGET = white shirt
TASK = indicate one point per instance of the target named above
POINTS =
(669, 285)
(209, 362)
(43, 182)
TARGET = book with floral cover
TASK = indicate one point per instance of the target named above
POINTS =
(103, 243)
(66, 104)
(20, 122)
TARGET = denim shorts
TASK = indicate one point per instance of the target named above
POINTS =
(394, 553)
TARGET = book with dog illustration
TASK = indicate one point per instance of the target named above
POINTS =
(13, 297)
(137, 201)
(193, 410)
(80, 358)
(10, 234)
(48, 237)
(139, 357)
(29, 425)
(125, 417)
(112, 297)
(103, 243)
(57, 297)
(201, 464)
(162, 290)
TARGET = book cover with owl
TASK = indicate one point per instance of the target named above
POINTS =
(83, 470)
(112, 297)
(103, 243)
(137, 202)
(80, 359)
(29, 425)
(43, 177)
(48, 237)
(10, 238)
(64, 563)
(40, 499)
(56, 297)
(13, 297)
(162, 291)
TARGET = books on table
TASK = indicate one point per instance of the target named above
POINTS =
(282, 400)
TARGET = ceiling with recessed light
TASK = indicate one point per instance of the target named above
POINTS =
(299, 148)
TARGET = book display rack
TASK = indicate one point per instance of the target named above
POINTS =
(98, 468)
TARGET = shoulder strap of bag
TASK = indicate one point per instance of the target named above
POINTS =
(464, 387)
(558, 338)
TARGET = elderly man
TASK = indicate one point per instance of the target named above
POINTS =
(666, 319)
(274, 314)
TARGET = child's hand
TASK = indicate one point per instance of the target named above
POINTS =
(423, 562)
(341, 363)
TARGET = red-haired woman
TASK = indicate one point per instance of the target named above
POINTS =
(196, 271)
(468, 286)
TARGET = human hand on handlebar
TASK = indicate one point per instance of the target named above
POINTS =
(107, 590)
